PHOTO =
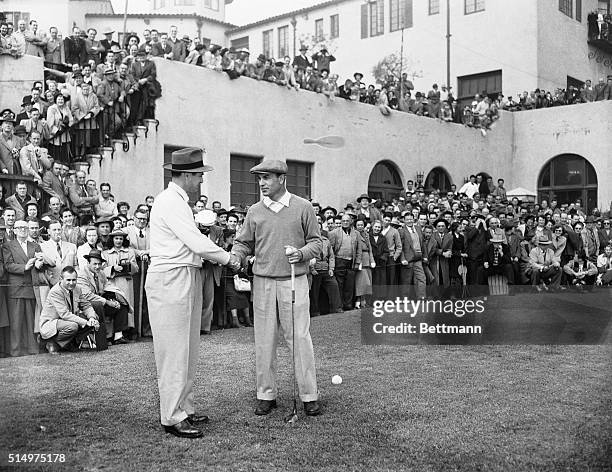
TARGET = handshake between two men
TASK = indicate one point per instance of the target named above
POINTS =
(293, 254)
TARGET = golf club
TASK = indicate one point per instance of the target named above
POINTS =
(330, 142)
(293, 417)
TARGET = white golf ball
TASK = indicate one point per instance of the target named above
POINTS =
(336, 380)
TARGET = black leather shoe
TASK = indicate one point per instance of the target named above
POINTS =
(265, 407)
(52, 348)
(122, 340)
(193, 419)
(184, 430)
(312, 408)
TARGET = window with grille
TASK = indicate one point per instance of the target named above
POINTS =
(240, 43)
(15, 16)
(434, 7)
(474, 6)
(565, 7)
(283, 41)
(377, 17)
(400, 14)
(319, 29)
(334, 26)
(244, 186)
(298, 178)
(212, 4)
(267, 43)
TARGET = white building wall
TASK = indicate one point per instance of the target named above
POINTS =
(528, 40)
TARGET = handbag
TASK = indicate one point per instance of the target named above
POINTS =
(241, 285)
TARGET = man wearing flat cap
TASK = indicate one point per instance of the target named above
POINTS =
(174, 291)
(281, 230)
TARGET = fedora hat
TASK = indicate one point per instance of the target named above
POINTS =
(330, 208)
(27, 100)
(8, 116)
(544, 240)
(117, 232)
(99, 221)
(303, 47)
(108, 30)
(362, 196)
(93, 254)
(188, 160)
(395, 221)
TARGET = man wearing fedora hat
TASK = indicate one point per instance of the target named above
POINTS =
(10, 144)
(95, 288)
(322, 59)
(174, 291)
(497, 259)
(301, 61)
(371, 213)
(281, 230)
(545, 266)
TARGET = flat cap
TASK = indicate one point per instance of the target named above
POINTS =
(272, 166)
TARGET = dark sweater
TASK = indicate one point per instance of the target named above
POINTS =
(265, 234)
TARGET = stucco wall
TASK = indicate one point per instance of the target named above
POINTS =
(261, 119)
(586, 130)
(500, 37)
(16, 79)
(563, 48)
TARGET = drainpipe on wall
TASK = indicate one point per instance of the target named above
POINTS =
(294, 23)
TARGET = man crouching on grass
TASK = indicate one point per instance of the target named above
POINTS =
(278, 221)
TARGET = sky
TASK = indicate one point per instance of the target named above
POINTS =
(239, 12)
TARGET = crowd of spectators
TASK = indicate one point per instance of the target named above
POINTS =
(599, 25)
(93, 90)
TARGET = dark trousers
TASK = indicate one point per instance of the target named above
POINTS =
(115, 319)
(141, 278)
(552, 275)
(330, 286)
(474, 273)
(379, 281)
(345, 276)
(606, 278)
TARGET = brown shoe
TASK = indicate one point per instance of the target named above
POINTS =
(184, 430)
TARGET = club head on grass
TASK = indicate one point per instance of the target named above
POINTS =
(291, 418)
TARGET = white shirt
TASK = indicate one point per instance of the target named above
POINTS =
(175, 239)
(469, 189)
(277, 206)
(24, 246)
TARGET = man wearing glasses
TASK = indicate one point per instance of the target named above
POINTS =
(21, 257)
(605, 235)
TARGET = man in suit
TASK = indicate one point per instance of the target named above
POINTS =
(179, 50)
(346, 244)
(107, 43)
(372, 214)
(545, 266)
(302, 62)
(34, 160)
(394, 243)
(7, 233)
(74, 47)
(600, 90)
(590, 239)
(10, 144)
(62, 253)
(142, 103)
(53, 185)
(140, 241)
(106, 302)
(497, 259)
(67, 314)
(211, 273)
(82, 202)
(412, 255)
(21, 258)
(442, 250)
(19, 200)
(605, 235)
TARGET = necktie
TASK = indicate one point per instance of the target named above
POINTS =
(141, 234)
(59, 251)
(95, 276)
(71, 302)
(84, 190)
(10, 233)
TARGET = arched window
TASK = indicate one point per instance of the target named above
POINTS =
(567, 178)
(385, 182)
(438, 179)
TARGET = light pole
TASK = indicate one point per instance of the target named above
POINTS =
(293, 23)
(448, 37)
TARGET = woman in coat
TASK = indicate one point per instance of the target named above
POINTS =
(120, 265)
(59, 120)
(458, 257)
(363, 276)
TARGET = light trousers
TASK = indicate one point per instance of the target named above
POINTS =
(272, 308)
(175, 310)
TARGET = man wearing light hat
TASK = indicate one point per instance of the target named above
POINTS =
(281, 230)
(545, 266)
(174, 291)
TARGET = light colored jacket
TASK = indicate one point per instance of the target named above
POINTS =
(57, 307)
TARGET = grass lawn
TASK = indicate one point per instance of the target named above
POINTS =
(422, 408)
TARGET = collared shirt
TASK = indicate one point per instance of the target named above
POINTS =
(24, 246)
(278, 205)
(175, 241)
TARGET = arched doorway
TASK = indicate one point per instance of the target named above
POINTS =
(438, 179)
(385, 182)
(567, 178)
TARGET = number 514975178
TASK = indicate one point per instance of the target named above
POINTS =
(17, 458)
